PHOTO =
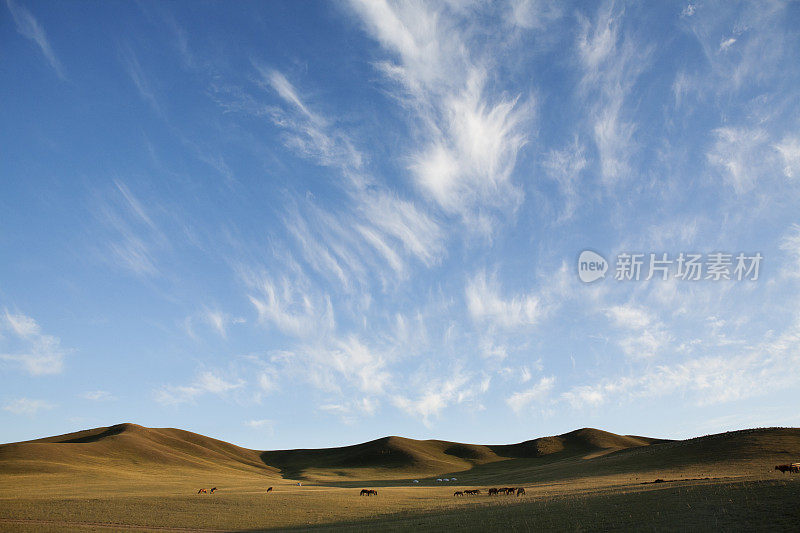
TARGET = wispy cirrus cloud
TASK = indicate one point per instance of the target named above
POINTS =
(289, 305)
(644, 335)
(27, 347)
(612, 62)
(134, 238)
(98, 396)
(486, 304)
(789, 150)
(434, 395)
(467, 136)
(140, 79)
(743, 372)
(523, 401)
(338, 364)
(29, 27)
(207, 382)
(736, 154)
(27, 406)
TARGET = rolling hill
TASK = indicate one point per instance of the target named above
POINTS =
(584, 452)
(128, 447)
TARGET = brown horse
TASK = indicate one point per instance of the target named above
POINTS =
(520, 491)
(493, 492)
(473, 492)
(368, 492)
(269, 489)
(458, 493)
(212, 490)
(787, 468)
(202, 491)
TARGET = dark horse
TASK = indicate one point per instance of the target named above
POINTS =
(493, 491)
(520, 491)
(202, 491)
(788, 468)
(458, 493)
(368, 492)
(212, 490)
(269, 489)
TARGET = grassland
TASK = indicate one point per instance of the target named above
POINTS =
(132, 478)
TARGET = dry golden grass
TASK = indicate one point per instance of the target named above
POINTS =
(136, 478)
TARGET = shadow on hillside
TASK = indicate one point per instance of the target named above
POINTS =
(108, 432)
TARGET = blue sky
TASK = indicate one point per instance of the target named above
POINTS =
(298, 224)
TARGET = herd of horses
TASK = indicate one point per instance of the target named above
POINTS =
(507, 490)
(793, 468)
(519, 491)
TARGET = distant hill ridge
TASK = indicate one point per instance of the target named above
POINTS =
(130, 446)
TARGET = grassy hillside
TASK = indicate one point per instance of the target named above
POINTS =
(127, 447)
(127, 475)
(580, 453)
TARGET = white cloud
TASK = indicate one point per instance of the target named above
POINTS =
(134, 237)
(220, 321)
(308, 133)
(612, 62)
(140, 80)
(750, 372)
(485, 304)
(288, 305)
(262, 424)
(27, 406)
(533, 14)
(469, 137)
(565, 167)
(341, 363)
(436, 395)
(29, 27)
(789, 149)
(35, 352)
(726, 43)
(267, 380)
(98, 396)
(689, 10)
(739, 154)
(351, 410)
(521, 401)
(791, 245)
(207, 382)
(648, 336)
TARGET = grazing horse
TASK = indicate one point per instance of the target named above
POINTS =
(493, 491)
(368, 492)
(202, 491)
(520, 491)
(269, 489)
(784, 468)
(212, 490)
(458, 493)
(473, 492)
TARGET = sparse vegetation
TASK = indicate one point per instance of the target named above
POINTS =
(136, 477)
